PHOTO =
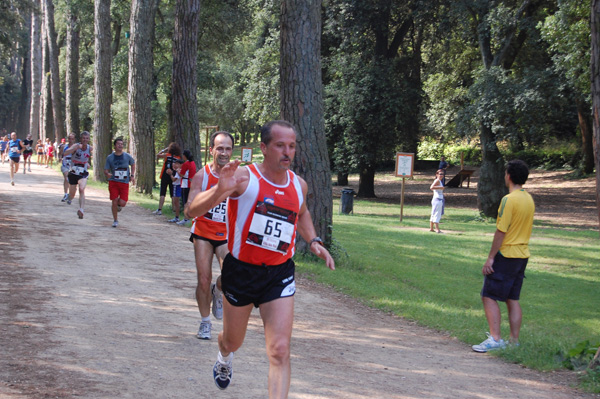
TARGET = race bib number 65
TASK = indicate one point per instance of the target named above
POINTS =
(272, 227)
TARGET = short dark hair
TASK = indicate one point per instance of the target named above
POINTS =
(188, 155)
(265, 131)
(215, 134)
(518, 171)
(179, 161)
(116, 140)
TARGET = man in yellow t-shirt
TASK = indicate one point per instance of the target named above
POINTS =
(504, 269)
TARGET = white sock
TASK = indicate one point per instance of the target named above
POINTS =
(225, 360)
(206, 319)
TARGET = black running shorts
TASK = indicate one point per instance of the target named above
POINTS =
(74, 179)
(244, 283)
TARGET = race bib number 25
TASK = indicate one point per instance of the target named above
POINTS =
(217, 214)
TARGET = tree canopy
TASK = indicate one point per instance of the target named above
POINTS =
(504, 74)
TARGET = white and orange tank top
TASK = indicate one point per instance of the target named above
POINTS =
(80, 161)
(212, 224)
(262, 221)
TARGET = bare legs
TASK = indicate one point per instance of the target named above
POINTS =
(14, 168)
(115, 206)
(73, 188)
(492, 314)
(278, 317)
(203, 254)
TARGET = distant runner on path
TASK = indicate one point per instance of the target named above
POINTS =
(116, 170)
(14, 148)
(65, 166)
(265, 207)
(81, 155)
(27, 153)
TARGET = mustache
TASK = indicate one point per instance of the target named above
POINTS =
(286, 158)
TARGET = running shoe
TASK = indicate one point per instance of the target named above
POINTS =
(489, 344)
(12, 183)
(222, 372)
(174, 220)
(69, 201)
(80, 213)
(217, 301)
(64, 198)
(182, 222)
(157, 212)
(115, 223)
(204, 330)
(29, 169)
(119, 207)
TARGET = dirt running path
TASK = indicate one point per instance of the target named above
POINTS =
(89, 311)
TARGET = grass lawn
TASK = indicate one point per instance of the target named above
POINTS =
(435, 279)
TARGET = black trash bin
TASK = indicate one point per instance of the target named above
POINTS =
(347, 201)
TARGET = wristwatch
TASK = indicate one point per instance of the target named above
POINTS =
(316, 239)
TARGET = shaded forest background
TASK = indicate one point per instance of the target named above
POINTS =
(496, 77)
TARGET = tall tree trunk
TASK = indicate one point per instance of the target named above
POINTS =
(47, 128)
(24, 108)
(53, 51)
(140, 90)
(36, 74)
(366, 182)
(102, 86)
(302, 105)
(184, 105)
(595, 72)
(587, 141)
(491, 187)
(72, 75)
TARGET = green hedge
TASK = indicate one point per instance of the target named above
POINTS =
(557, 156)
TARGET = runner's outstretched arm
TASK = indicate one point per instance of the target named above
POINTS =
(231, 180)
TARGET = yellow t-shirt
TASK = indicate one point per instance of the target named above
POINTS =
(515, 218)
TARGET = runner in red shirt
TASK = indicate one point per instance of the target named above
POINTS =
(265, 207)
(209, 233)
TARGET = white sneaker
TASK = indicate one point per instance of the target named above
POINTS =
(182, 222)
(157, 212)
(174, 220)
(204, 330)
(489, 344)
(64, 198)
(29, 169)
(115, 223)
(217, 301)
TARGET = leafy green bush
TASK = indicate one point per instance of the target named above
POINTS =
(429, 148)
(562, 157)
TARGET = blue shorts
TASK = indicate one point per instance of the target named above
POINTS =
(176, 191)
(244, 283)
(507, 279)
